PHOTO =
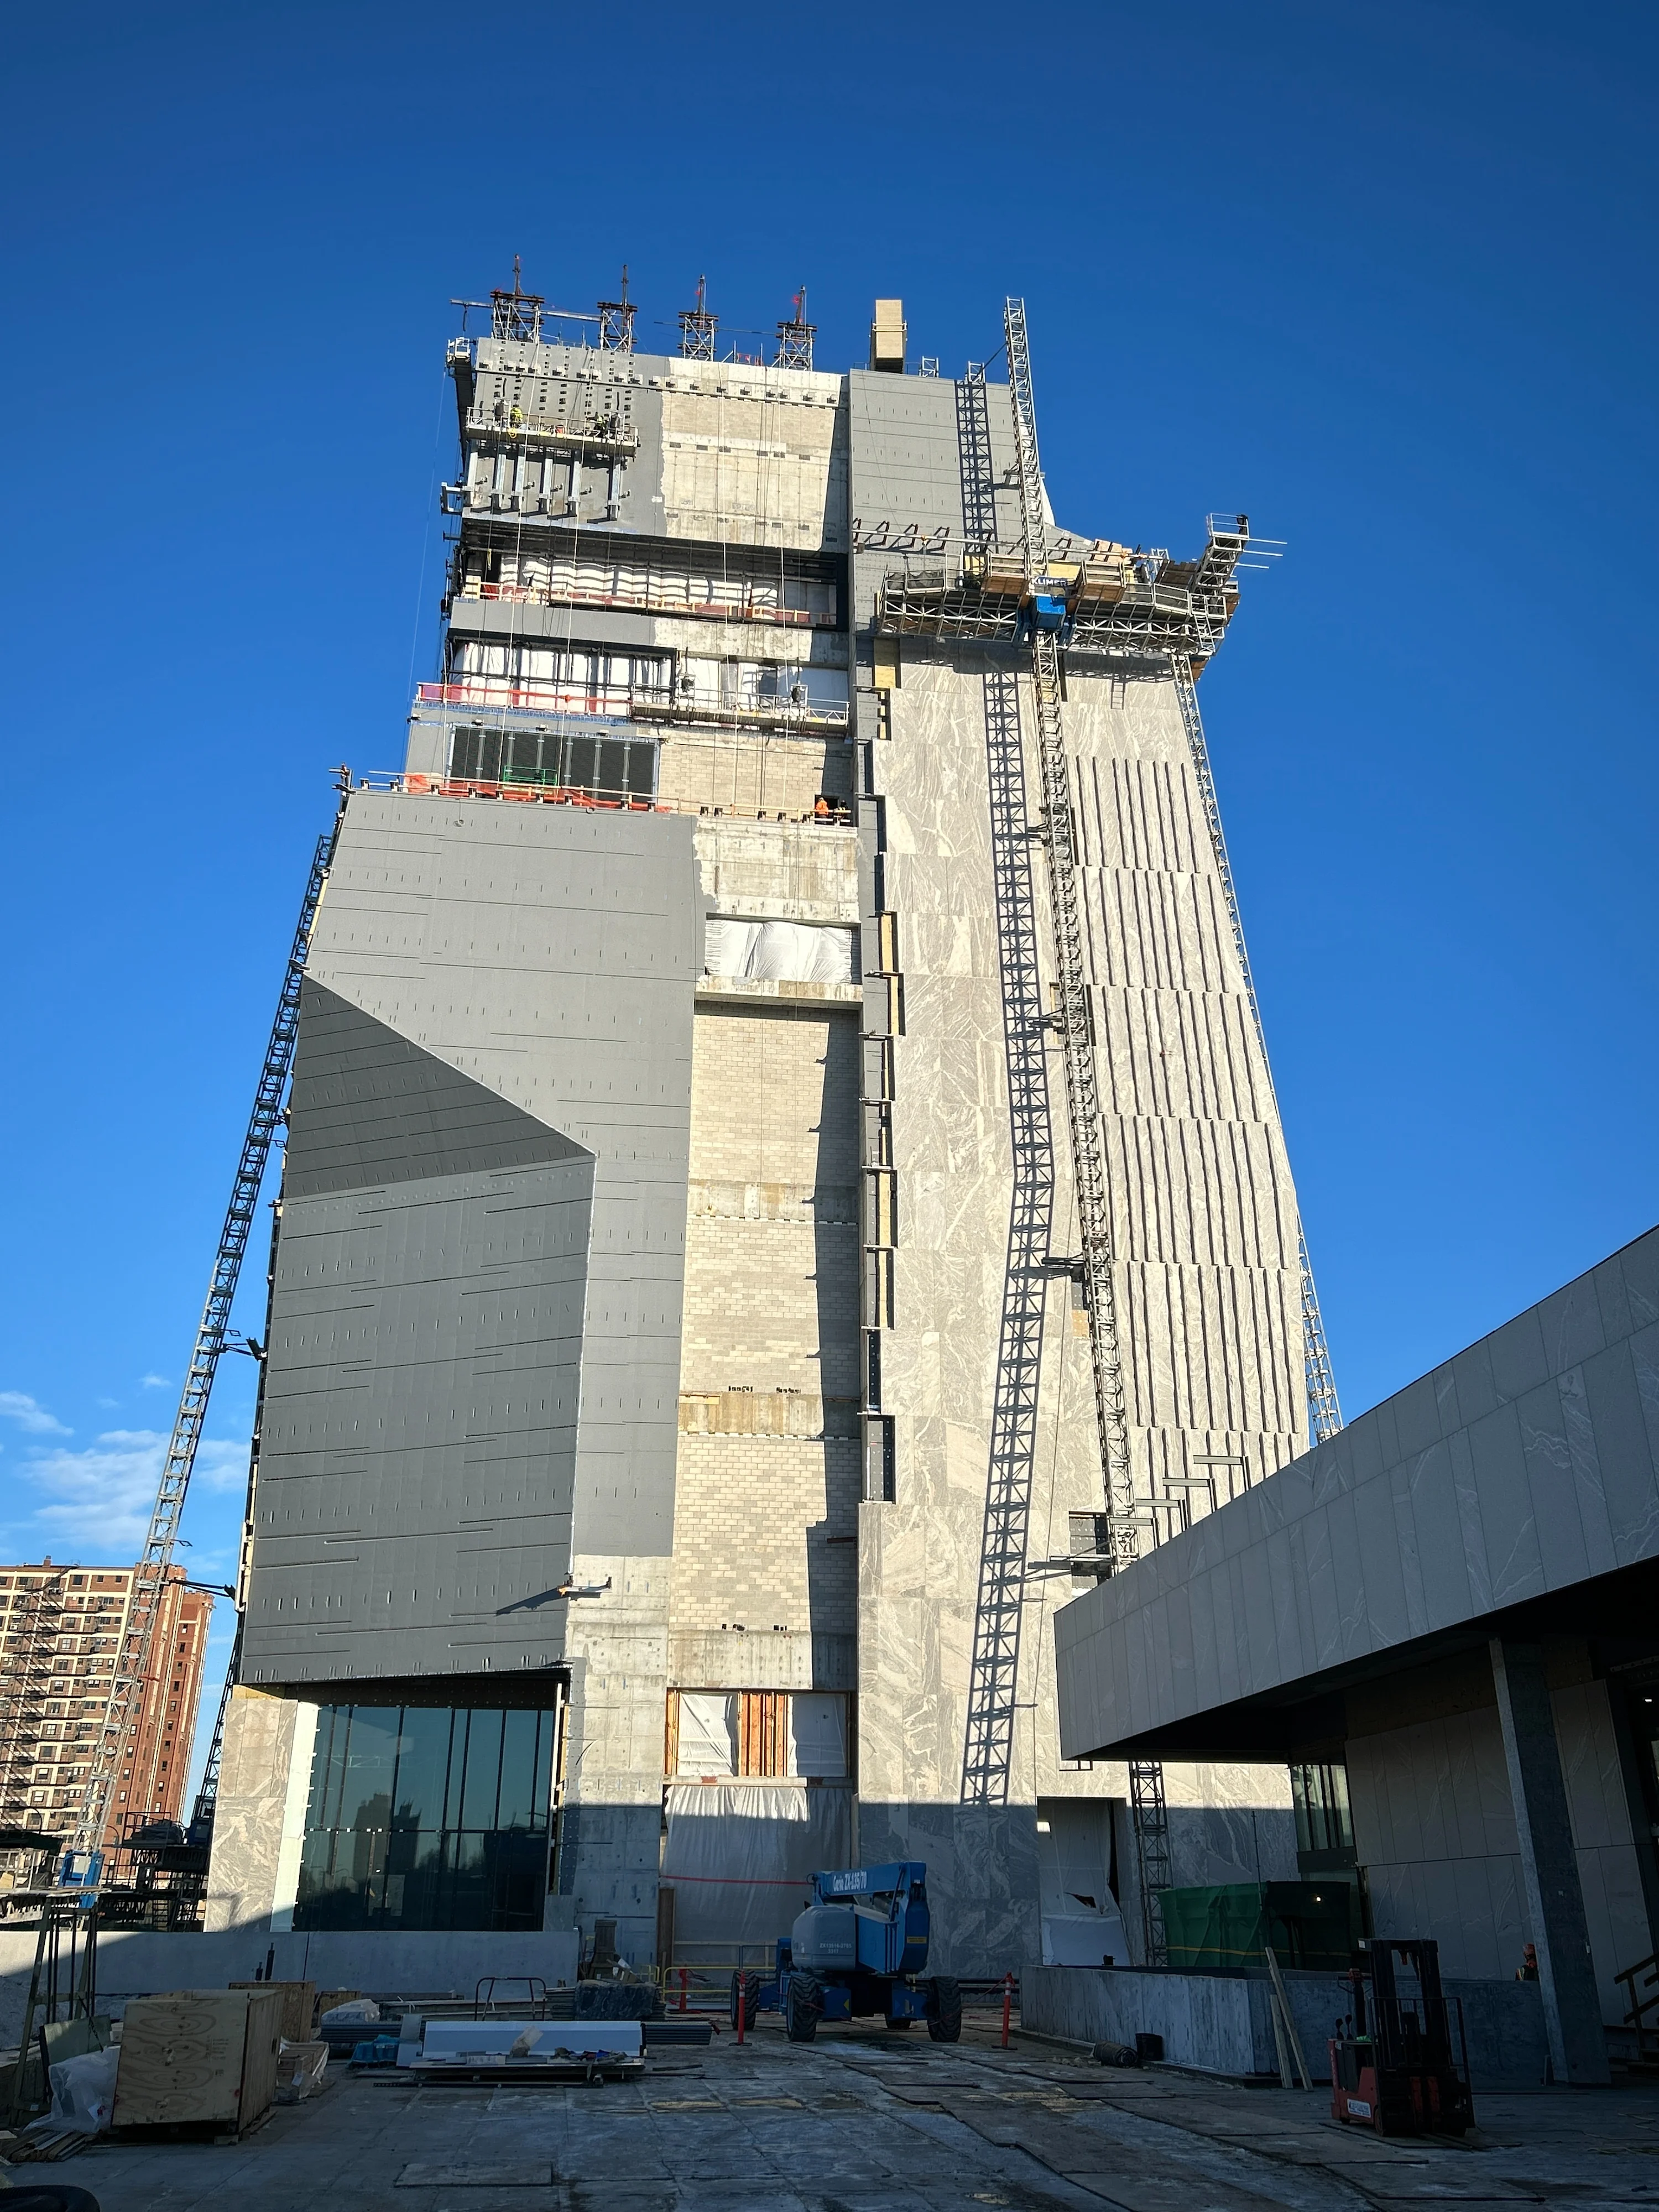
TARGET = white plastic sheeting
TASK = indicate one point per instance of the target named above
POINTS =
(1081, 1923)
(708, 1732)
(818, 1736)
(1085, 1939)
(784, 951)
(740, 1856)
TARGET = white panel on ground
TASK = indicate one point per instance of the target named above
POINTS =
(740, 1857)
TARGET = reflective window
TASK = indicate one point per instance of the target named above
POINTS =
(423, 1816)
(613, 767)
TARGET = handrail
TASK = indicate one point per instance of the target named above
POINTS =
(653, 601)
(640, 707)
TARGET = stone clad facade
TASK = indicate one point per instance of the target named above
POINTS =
(636, 1295)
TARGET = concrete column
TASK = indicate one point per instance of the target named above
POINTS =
(1549, 1865)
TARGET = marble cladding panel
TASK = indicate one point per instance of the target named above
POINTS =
(1434, 1828)
(1406, 1526)
(1210, 1313)
(982, 1877)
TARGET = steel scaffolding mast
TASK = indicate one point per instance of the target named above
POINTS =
(135, 1655)
(1083, 1093)
(1324, 1412)
(1083, 1108)
(993, 1674)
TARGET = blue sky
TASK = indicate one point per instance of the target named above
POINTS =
(1380, 276)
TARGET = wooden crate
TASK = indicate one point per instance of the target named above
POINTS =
(299, 2006)
(199, 2055)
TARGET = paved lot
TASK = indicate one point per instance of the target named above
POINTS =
(874, 2122)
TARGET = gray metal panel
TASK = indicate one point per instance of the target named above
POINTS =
(905, 464)
(418, 1444)
(474, 1356)
(1415, 1522)
(566, 627)
(368, 1106)
(551, 953)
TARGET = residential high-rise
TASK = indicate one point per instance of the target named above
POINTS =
(677, 1248)
(60, 1626)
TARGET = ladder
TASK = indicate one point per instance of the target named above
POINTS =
(1324, 1412)
(994, 1673)
(135, 1655)
(207, 1797)
(1083, 1108)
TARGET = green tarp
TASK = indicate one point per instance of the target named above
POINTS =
(1309, 1923)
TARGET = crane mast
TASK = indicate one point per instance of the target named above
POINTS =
(136, 1656)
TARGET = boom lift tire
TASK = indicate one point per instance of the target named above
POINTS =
(805, 2008)
(746, 1997)
(944, 2009)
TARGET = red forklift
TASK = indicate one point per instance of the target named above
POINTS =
(1392, 2067)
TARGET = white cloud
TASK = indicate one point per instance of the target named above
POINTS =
(99, 1499)
(17, 1405)
(153, 1383)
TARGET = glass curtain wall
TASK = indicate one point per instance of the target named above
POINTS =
(425, 1816)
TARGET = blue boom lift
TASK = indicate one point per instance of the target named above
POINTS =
(857, 1952)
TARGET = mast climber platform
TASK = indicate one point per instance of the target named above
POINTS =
(1106, 599)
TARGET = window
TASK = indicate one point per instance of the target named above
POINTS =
(609, 767)
(1091, 1538)
(580, 680)
(1324, 1826)
(426, 1817)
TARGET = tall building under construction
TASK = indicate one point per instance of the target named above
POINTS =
(696, 1368)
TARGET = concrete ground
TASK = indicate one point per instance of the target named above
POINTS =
(869, 2121)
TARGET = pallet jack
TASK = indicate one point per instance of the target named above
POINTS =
(1392, 2067)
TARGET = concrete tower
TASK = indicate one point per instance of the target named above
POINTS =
(675, 1231)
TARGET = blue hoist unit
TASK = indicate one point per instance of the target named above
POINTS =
(856, 1953)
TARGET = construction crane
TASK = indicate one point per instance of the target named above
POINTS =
(135, 1655)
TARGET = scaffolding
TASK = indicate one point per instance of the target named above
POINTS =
(795, 338)
(517, 314)
(32, 1623)
(698, 327)
(617, 321)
